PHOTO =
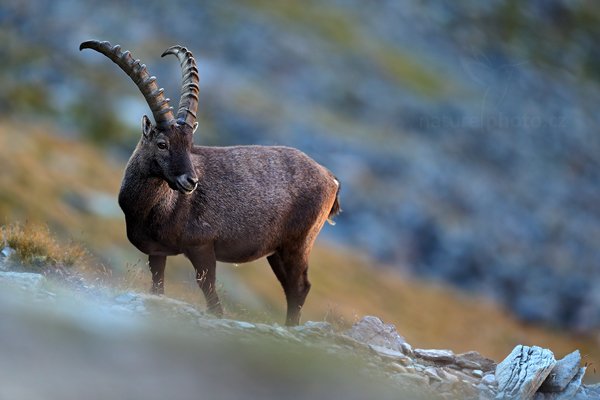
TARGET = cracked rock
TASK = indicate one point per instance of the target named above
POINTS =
(521, 373)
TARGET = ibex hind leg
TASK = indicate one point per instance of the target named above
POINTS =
(291, 269)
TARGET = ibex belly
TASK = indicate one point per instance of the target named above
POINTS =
(240, 251)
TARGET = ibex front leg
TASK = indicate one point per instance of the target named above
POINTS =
(205, 264)
(157, 268)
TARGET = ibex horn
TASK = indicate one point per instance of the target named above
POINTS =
(161, 110)
(188, 103)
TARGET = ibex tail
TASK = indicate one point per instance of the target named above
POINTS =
(335, 209)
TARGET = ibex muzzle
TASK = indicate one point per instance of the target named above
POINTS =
(231, 204)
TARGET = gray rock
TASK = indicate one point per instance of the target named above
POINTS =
(398, 367)
(284, 333)
(7, 252)
(564, 371)
(372, 330)
(146, 304)
(474, 360)
(521, 373)
(24, 280)
(484, 392)
(390, 354)
(477, 373)
(433, 374)
(489, 379)
(465, 377)
(467, 364)
(438, 356)
(569, 392)
(407, 349)
(451, 378)
(243, 325)
(264, 328)
(315, 327)
(591, 392)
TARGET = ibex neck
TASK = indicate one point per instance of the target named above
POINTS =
(141, 193)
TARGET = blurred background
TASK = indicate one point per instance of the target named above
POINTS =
(464, 134)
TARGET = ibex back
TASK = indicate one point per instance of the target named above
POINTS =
(231, 204)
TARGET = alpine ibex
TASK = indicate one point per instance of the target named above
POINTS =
(231, 204)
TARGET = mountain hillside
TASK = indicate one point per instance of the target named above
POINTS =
(72, 187)
(464, 133)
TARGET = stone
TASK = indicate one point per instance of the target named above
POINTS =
(484, 391)
(433, 374)
(451, 378)
(477, 373)
(24, 280)
(243, 325)
(386, 353)
(438, 356)
(264, 328)
(407, 349)
(284, 333)
(398, 367)
(7, 252)
(474, 360)
(467, 364)
(466, 377)
(489, 379)
(315, 327)
(372, 330)
(521, 373)
(563, 373)
(569, 391)
(591, 392)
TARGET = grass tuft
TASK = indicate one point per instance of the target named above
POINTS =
(34, 246)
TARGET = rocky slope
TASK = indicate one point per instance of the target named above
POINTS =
(464, 133)
(64, 338)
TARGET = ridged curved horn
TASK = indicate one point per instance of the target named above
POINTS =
(188, 102)
(161, 110)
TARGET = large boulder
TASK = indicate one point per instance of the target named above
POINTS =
(521, 374)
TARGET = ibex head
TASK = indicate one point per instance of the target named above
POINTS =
(167, 145)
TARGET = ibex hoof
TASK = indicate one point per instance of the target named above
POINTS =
(159, 291)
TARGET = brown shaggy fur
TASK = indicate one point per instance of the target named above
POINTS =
(250, 202)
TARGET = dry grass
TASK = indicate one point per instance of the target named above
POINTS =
(41, 172)
(35, 246)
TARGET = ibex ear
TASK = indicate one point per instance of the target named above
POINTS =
(195, 127)
(146, 126)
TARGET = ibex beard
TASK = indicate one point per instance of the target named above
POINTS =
(231, 204)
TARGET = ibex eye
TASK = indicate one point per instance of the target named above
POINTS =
(161, 145)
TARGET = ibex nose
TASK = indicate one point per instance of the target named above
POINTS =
(187, 183)
(192, 180)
